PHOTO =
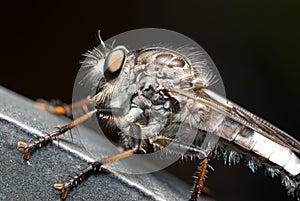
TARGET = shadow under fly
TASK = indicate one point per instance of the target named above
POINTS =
(158, 95)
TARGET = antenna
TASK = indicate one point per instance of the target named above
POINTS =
(101, 41)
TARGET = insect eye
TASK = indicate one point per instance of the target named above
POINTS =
(114, 62)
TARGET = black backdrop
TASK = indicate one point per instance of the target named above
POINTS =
(254, 44)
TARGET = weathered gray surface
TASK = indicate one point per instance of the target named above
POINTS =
(21, 120)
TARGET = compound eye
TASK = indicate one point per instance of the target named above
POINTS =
(114, 63)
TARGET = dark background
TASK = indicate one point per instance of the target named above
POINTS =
(254, 44)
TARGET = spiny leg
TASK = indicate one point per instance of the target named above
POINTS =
(64, 109)
(179, 147)
(53, 135)
(193, 151)
(93, 168)
(200, 178)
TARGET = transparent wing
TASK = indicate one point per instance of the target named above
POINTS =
(246, 118)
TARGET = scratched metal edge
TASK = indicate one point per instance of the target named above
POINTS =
(21, 112)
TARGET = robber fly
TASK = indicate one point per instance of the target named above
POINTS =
(161, 90)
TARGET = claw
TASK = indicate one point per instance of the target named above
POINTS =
(58, 186)
(64, 191)
(22, 145)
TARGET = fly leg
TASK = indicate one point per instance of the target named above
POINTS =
(96, 167)
(53, 135)
(200, 178)
(64, 109)
(190, 151)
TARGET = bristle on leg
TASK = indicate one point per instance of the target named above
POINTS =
(199, 182)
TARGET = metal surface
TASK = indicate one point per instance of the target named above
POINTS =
(33, 180)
